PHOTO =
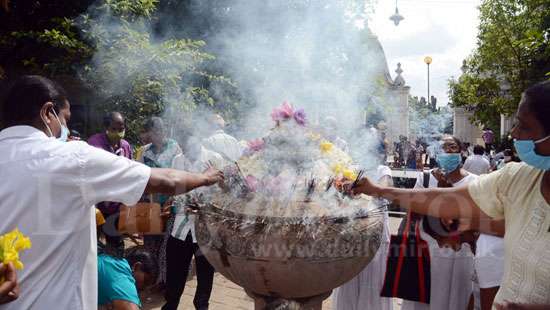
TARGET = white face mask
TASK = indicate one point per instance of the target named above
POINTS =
(48, 127)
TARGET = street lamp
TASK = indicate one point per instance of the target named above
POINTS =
(428, 61)
(396, 18)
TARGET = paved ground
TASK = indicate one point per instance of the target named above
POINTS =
(228, 296)
(225, 296)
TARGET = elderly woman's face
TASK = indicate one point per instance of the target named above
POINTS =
(156, 136)
(449, 145)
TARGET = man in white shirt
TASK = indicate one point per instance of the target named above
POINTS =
(182, 244)
(49, 193)
(477, 163)
(222, 143)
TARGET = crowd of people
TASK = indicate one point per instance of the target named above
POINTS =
(170, 253)
(475, 235)
(460, 269)
(449, 203)
(173, 250)
(421, 153)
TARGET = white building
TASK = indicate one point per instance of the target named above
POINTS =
(395, 97)
(506, 123)
(397, 119)
(464, 129)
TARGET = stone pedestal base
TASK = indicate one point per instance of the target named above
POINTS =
(272, 303)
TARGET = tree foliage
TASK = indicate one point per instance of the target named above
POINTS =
(483, 95)
(513, 52)
(39, 37)
(110, 49)
(135, 74)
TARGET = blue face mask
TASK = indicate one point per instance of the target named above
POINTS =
(449, 162)
(64, 134)
(526, 152)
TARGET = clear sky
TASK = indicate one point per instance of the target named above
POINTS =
(443, 29)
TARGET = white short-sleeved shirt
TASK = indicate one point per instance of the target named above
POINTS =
(185, 223)
(477, 164)
(48, 192)
(488, 259)
(225, 145)
(451, 271)
(514, 193)
(383, 171)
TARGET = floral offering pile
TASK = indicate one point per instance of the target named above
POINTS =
(292, 172)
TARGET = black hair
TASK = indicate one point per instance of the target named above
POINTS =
(25, 99)
(479, 150)
(109, 117)
(457, 140)
(538, 99)
(154, 123)
(146, 258)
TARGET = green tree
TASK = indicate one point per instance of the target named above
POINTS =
(483, 95)
(141, 76)
(110, 49)
(513, 52)
(39, 37)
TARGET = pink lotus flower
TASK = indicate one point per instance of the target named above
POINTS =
(287, 110)
(273, 185)
(255, 145)
(300, 117)
(282, 113)
(252, 182)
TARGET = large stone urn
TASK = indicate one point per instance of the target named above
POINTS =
(296, 260)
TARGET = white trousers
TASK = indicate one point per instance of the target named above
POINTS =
(451, 275)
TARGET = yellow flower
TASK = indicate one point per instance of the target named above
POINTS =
(349, 174)
(18, 265)
(23, 243)
(340, 169)
(326, 146)
(337, 169)
(10, 246)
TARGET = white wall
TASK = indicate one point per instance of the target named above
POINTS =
(506, 123)
(463, 127)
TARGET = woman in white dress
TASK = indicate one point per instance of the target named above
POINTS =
(451, 264)
(363, 291)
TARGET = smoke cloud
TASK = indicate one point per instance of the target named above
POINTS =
(318, 55)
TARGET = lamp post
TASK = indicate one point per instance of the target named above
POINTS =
(428, 61)
(396, 18)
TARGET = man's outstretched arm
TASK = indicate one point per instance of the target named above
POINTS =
(176, 182)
